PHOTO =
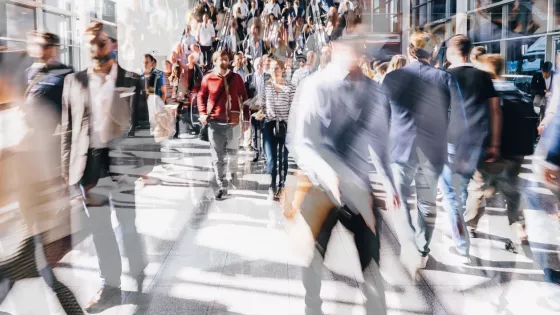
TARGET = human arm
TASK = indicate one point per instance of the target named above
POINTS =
(66, 128)
(495, 108)
(202, 100)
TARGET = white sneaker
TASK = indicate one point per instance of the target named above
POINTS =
(423, 262)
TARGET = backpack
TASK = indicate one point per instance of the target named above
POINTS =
(519, 124)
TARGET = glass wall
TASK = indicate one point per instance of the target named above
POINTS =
(18, 17)
(385, 16)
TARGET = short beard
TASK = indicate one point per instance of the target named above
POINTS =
(102, 60)
(224, 67)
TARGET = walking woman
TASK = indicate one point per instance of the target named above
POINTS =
(277, 100)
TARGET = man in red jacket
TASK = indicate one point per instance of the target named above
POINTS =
(220, 99)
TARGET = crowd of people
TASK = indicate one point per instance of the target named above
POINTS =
(305, 90)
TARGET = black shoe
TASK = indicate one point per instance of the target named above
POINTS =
(278, 193)
(256, 157)
(552, 276)
(105, 298)
(140, 282)
(220, 194)
(510, 247)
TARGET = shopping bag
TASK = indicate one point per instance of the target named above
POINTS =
(162, 120)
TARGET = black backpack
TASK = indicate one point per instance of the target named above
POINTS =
(519, 124)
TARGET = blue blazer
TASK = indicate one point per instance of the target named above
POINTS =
(424, 101)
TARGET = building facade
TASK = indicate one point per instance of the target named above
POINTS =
(66, 18)
(525, 32)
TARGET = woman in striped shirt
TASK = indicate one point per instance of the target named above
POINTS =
(276, 101)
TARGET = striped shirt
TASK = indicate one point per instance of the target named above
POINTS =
(277, 103)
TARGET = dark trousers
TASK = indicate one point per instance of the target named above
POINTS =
(256, 130)
(24, 266)
(207, 53)
(99, 222)
(368, 246)
(276, 155)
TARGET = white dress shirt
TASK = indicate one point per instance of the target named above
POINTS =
(205, 34)
(101, 90)
(244, 9)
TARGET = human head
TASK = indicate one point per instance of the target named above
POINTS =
(192, 59)
(188, 29)
(271, 17)
(381, 70)
(326, 53)
(42, 45)
(149, 61)
(397, 62)
(221, 60)
(421, 46)
(255, 31)
(258, 64)
(311, 59)
(476, 53)
(458, 49)
(277, 68)
(546, 69)
(237, 61)
(99, 44)
(205, 18)
(266, 62)
(493, 64)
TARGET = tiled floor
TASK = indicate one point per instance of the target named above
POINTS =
(235, 257)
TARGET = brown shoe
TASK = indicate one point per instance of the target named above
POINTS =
(92, 201)
(105, 298)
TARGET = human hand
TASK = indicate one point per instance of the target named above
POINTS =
(540, 129)
(393, 201)
(203, 119)
(551, 176)
(492, 153)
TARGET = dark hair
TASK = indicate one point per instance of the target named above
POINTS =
(421, 45)
(219, 54)
(461, 43)
(152, 59)
(477, 52)
(51, 38)
(94, 28)
(547, 66)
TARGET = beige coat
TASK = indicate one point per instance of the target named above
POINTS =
(76, 118)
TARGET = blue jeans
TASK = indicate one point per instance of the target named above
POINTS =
(276, 155)
(426, 191)
(455, 209)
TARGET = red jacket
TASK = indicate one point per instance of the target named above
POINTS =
(212, 94)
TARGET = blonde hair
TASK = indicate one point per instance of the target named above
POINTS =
(421, 45)
(493, 64)
(397, 62)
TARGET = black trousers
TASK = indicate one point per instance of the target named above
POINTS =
(97, 166)
(367, 244)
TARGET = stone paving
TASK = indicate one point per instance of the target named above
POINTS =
(234, 256)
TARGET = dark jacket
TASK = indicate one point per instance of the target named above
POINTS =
(538, 85)
(46, 84)
(424, 101)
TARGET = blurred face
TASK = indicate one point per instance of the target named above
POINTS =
(223, 62)
(276, 69)
(254, 32)
(266, 63)
(100, 47)
(188, 29)
(205, 18)
(258, 64)
(192, 59)
(38, 48)
(148, 64)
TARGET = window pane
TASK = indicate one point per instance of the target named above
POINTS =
(527, 17)
(63, 4)
(556, 23)
(20, 21)
(60, 25)
(438, 10)
(475, 4)
(485, 25)
(524, 56)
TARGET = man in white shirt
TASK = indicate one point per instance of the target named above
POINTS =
(97, 105)
(187, 40)
(272, 7)
(206, 36)
(241, 4)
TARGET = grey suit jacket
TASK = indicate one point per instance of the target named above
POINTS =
(76, 117)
